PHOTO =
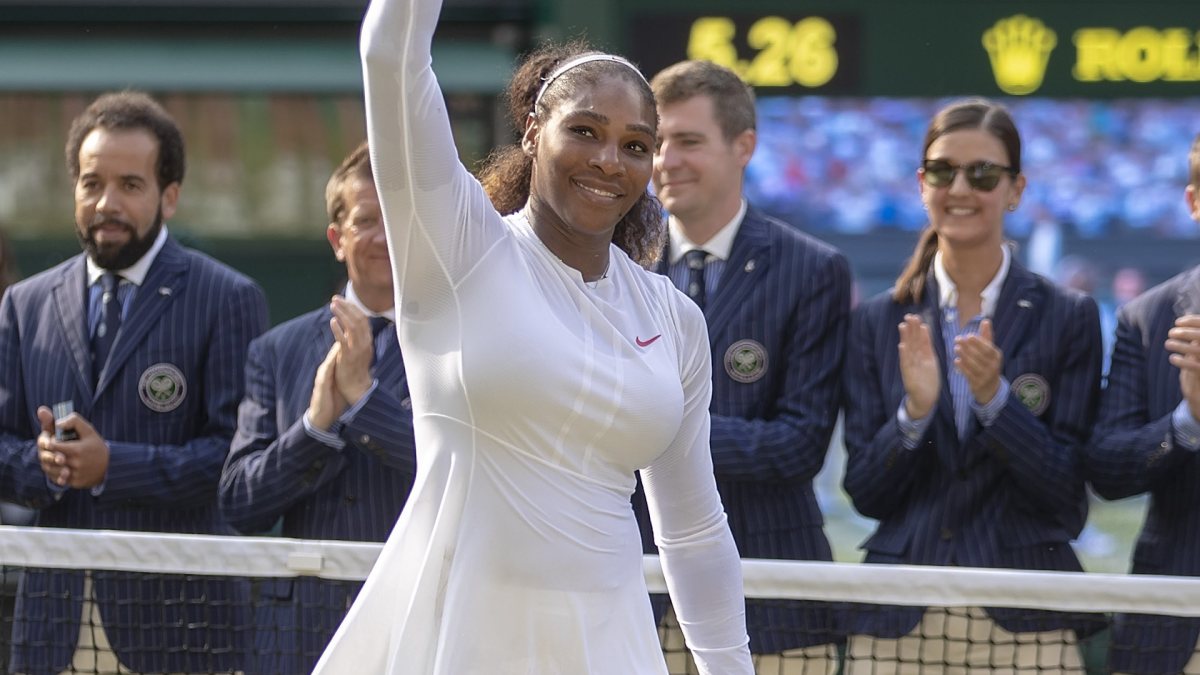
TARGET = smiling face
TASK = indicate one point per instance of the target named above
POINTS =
(119, 206)
(963, 217)
(592, 157)
(361, 241)
(697, 171)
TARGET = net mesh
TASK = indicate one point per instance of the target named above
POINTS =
(115, 602)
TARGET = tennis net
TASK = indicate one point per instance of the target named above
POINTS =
(120, 602)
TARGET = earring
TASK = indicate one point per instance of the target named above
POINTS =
(924, 206)
(1012, 207)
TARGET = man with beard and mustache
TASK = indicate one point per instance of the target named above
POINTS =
(148, 341)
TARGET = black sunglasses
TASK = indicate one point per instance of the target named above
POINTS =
(981, 176)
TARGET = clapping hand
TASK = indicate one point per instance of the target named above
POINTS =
(352, 330)
(918, 367)
(978, 359)
(1184, 342)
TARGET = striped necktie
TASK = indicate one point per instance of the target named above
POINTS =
(695, 260)
(110, 322)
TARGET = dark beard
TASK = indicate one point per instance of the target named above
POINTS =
(119, 257)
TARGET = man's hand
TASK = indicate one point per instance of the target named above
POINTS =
(1184, 341)
(979, 359)
(326, 404)
(81, 463)
(352, 330)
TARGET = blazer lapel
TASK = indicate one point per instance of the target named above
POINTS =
(70, 294)
(748, 262)
(164, 281)
(1188, 299)
(1020, 299)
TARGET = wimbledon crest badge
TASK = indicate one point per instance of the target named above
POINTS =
(162, 387)
(1033, 391)
(746, 361)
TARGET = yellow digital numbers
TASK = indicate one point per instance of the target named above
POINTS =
(1143, 54)
(789, 54)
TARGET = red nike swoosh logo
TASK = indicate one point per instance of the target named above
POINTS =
(649, 342)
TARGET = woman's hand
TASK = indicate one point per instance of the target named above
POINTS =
(918, 367)
(978, 358)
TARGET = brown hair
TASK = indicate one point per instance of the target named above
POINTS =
(127, 111)
(733, 99)
(356, 165)
(507, 172)
(1194, 164)
(975, 113)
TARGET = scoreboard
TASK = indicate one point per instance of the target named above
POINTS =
(1097, 49)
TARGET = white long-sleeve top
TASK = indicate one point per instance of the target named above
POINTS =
(535, 398)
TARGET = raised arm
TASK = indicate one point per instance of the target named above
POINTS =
(699, 559)
(439, 220)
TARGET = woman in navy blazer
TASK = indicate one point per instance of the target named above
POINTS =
(971, 386)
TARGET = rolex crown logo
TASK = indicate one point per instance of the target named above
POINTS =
(1019, 48)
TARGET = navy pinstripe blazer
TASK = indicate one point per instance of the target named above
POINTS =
(275, 469)
(1133, 451)
(790, 294)
(196, 315)
(1009, 496)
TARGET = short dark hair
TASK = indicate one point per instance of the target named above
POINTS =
(356, 165)
(1194, 164)
(733, 99)
(124, 111)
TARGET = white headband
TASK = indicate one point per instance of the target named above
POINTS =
(579, 62)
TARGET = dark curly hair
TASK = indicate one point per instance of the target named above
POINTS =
(506, 173)
(125, 111)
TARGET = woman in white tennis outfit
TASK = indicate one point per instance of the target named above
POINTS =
(546, 366)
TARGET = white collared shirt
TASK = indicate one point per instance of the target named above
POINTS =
(718, 247)
(352, 298)
(988, 297)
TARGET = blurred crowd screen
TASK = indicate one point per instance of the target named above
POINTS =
(257, 164)
(1096, 168)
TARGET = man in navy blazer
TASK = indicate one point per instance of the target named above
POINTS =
(325, 437)
(1147, 440)
(776, 303)
(148, 340)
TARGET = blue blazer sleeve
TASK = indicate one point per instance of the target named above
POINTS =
(269, 469)
(1044, 456)
(384, 427)
(21, 476)
(187, 474)
(1133, 449)
(880, 472)
(793, 444)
